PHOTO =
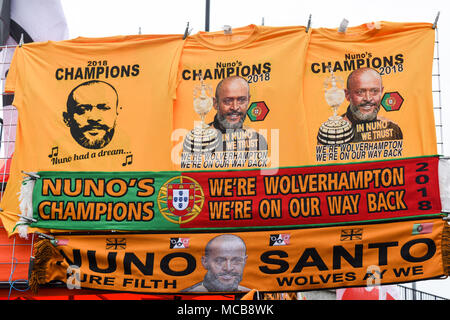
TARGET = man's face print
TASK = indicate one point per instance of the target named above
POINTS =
(91, 114)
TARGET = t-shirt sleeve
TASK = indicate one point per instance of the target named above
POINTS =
(12, 76)
(175, 71)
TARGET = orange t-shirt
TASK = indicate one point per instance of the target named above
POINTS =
(259, 127)
(399, 58)
(95, 106)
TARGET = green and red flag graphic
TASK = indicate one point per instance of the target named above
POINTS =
(392, 101)
(257, 111)
(422, 228)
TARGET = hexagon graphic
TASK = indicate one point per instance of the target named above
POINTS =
(257, 111)
(392, 101)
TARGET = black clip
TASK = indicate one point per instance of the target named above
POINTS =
(32, 175)
(309, 24)
(44, 236)
(27, 219)
(436, 20)
(186, 32)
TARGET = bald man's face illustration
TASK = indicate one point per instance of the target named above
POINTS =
(364, 92)
(91, 114)
(231, 102)
(225, 261)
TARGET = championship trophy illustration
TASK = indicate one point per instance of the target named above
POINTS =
(202, 138)
(335, 130)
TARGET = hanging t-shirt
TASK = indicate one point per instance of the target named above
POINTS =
(368, 92)
(238, 102)
(91, 107)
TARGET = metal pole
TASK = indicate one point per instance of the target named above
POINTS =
(207, 15)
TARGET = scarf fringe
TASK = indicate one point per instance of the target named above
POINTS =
(43, 252)
(446, 248)
(25, 206)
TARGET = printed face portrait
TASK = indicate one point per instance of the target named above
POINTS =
(91, 113)
(364, 92)
(231, 102)
(225, 258)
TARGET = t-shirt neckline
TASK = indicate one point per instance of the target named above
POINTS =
(252, 31)
(358, 33)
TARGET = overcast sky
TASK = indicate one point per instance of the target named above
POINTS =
(101, 18)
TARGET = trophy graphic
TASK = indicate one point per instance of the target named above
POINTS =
(335, 130)
(202, 138)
